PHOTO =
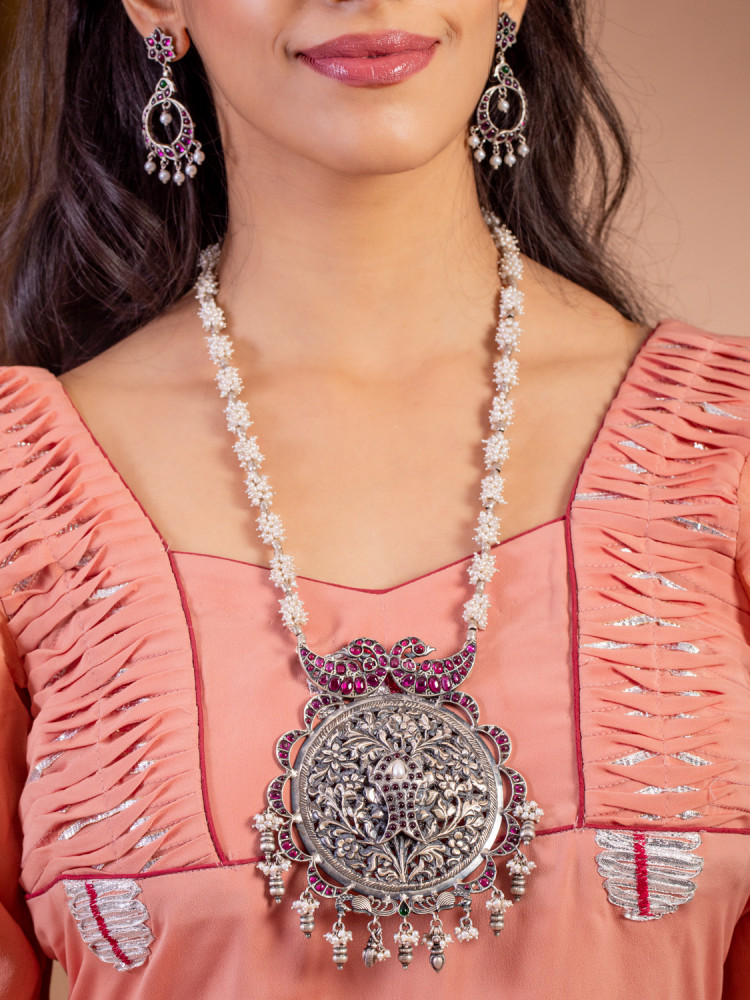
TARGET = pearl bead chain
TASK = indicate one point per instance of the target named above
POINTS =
(258, 489)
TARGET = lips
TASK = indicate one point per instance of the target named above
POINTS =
(375, 60)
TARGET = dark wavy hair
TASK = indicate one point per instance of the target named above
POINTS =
(93, 248)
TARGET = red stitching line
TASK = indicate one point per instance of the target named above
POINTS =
(641, 874)
(100, 923)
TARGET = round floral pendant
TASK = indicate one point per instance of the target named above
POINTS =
(397, 803)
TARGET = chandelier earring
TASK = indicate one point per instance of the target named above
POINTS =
(498, 100)
(184, 150)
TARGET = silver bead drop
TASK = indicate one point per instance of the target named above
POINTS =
(437, 960)
(518, 885)
(405, 955)
(528, 831)
(276, 886)
(267, 842)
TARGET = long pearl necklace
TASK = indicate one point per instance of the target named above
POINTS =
(393, 795)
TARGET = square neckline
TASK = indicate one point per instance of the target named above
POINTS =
(533, 529)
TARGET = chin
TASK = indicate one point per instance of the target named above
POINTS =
(380, 161)
(379, 151)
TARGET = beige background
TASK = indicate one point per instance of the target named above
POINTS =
(680, 72)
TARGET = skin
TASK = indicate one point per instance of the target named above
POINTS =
(361, 289)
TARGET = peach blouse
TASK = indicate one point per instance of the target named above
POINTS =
(143, 691)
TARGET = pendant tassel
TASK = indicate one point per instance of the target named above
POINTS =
(520, 868)
(306, 906)
(375, 950)
(275, 864)
(407, 940)
(497, 905)
(437, 939)
(466, 931)
(528, 815)
(339, 937)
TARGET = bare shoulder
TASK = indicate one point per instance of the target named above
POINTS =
(568, 324)
(145, 385)
(162, 351)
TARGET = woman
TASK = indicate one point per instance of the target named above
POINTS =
(358, 278)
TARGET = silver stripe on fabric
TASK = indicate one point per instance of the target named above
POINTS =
(68, 734)
(114, 922)
(638, 757)
(632, 444)
(658, 790)
(633, 467)
(74, 828)
(716, 412)
(691, 758)
(598, 496)
(38, 769)
(683, 647)
(670, 868)
(650, 715)
(642, 575)
(144, 765)
(104, 592)
(150, 838)
(637, 620)
(607, 644)
(699, 526)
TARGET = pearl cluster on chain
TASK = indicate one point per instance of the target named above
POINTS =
(258, 489)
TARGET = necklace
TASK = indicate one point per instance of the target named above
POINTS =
(393, 795)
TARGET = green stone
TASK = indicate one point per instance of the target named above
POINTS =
(404, 910)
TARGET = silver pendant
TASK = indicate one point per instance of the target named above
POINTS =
(395, 798)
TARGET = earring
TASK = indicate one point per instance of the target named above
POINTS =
(485, 130)
(185, 147)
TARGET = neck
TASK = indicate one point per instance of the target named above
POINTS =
(364, 269)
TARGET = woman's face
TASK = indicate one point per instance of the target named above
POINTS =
(290, 79)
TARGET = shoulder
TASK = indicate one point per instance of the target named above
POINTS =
(43, 448)
(33, 402)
